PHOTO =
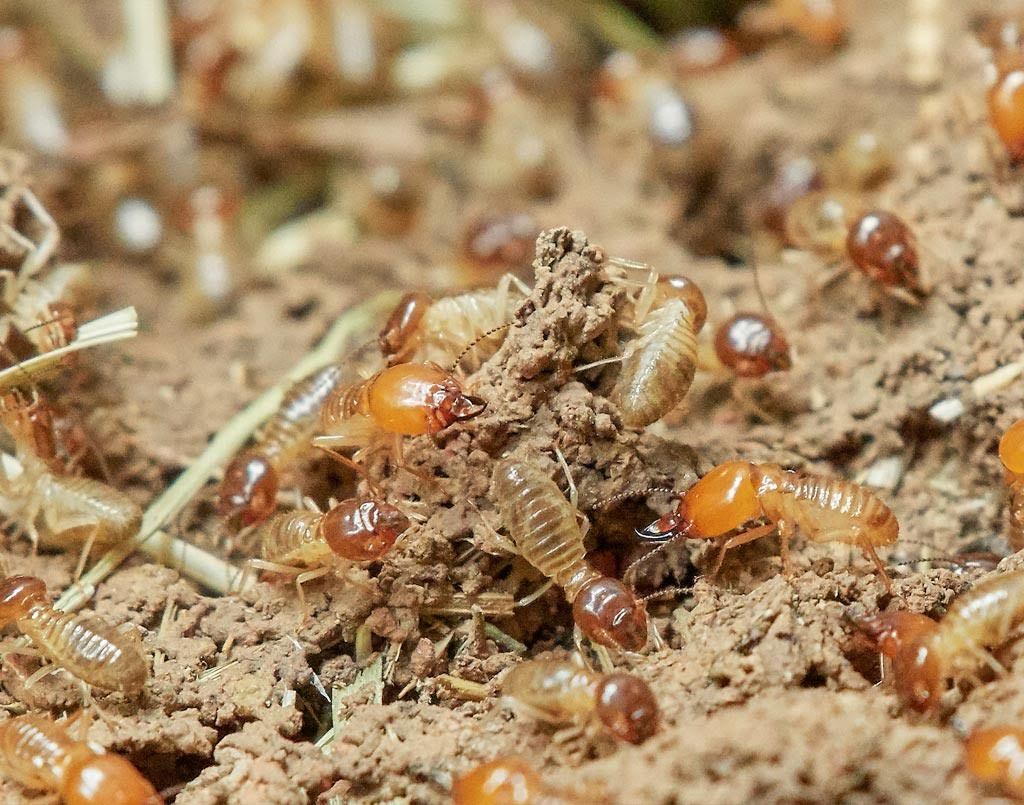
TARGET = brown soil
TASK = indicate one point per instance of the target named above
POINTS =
(767, 694)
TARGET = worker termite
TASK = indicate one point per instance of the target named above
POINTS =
(563, 691)
(356, 530)
(85, 646)
(752, 345)
(248, 492)
(40, 755)
(860, 162)
(439, 330)
(409, 399)
(1011, 454)
(73, 510)
(737, 492)
(925, 656)
(505, 781)
(543, 527)
(499, 242)
(659, 363)
(996, 755)
(794, 177)
(393, 198)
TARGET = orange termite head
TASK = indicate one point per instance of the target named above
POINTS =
(994, 754)
(608, 612)
(397, 336)
(17, 594)
(724, 499)
(689, 293)
(892, 631)
(248, 492)
(1011, 448)
(627, 707)
(503, 781)
(103, 778)
(362, 530)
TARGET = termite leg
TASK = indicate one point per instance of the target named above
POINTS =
(352, 465)
(742, 539)
(86, 550)
(785, 535)
(870, 552)
(40, 674)
(574, 494)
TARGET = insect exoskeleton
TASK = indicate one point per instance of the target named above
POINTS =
(752, 345)
(1005, 100)
(1011, 454)
(39, 754)
(306, 543)
(563, 691)
(84, 645)
(543, 527)
(659, 363)
(452, 328)
(884, 248)
(737, 493)
(505, 781)
(926, 656)
(409, 399)
(248, 491)
(996, 755)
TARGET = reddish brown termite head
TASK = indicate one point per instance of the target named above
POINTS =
(752, 345)
(397, 338)
(884, 248)
(1011, 454)
(1006, 109)
(17, 595)
(248, 492)
(995, 755)
(627, 707)
(608, 612)
(362, 530)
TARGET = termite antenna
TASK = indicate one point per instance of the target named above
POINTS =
(472, 345)
(634, 493)
(629, 575)
(665, 593)
(355, 466)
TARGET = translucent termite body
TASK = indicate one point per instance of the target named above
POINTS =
(439, 331)
(248, 492)
(995, 755)
(1011, 454)
(84, 645)
(752, 345)
(504, 781)
(543, 526)
(736, 493)
(409, 399)
(40, 755)
(927, 653)
(562, 692)
(659, 364)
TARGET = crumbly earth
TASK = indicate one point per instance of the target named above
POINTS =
(767, 694)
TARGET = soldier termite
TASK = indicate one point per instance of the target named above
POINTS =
(563, 692)
(248, 492)
(39, 754)
(73, 510)
(543, 527)
(356, 530)
(996, 755)
(428, 330)
(505, 781)
(659, 363)
(736, 493)
(1011, 454)
(926, 653)
(85, 646)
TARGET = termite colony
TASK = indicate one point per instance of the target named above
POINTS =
(470, 495)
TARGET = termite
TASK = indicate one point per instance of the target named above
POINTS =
(563, 691)
(356, 530)
(736, 493)
(248, 492)
(504, 781)
(996, 755)
(1011, 454)
(543, 527)
(499, 242)
(40, 755)
(860, 162)
(409, 399)
(820, 22)
(393, 201)
(752, 345)
(1005, 100)
(74, 510)
(695, 51)
(794, 177)
(438, 331)
(925, 656)
(85, 646)
(659, 363)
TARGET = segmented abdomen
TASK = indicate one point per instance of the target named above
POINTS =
(560, 689)
(288, 432)
(655, 378)
(75, 500)
(453, 323)
(345, 402)
(543, 525)
(293, 539)
(87, 647)
(1015, 534)
(986, 615)
(31, 748)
